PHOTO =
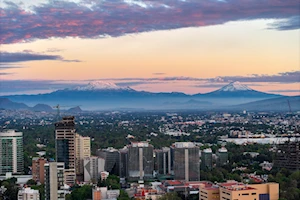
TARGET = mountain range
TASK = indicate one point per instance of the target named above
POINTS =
(101, 95)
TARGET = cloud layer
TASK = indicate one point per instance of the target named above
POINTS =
(93, 19)
(14, 57)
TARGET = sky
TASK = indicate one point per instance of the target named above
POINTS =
(191, 46)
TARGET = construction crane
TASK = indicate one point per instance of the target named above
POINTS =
(59, 106)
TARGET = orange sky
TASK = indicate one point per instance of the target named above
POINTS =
(233, 49)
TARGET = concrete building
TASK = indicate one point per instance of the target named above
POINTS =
(222, 156)
(206, 159)
(233, 190)
(28, 194)
(186, 161)
(124, 162)
(83, 150)
(288, 155)
(141, 161)
(102, 193)
(112, 159)
(93, 166)
(54, 181)
(11, 152)
(38, 170)
(163, 161)
(65, 143)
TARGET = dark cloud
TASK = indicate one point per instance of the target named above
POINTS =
(9, 57)
(94, 19)
(11, 86)
(288, 24)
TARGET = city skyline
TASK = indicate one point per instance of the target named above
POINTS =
(158, 46)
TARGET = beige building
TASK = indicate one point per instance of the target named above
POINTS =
(28, 194)
(238, 191)
(83, 150)
(54, 181)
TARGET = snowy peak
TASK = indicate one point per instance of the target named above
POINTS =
(101, 85)
(235, 86)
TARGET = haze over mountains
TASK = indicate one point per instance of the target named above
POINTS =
(101, 95)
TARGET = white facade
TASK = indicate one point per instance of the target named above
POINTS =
(83, 150)
(28, 194)
(54, 181)
(93, 166)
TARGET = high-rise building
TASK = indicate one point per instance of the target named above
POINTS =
(206, 159)
(54, 181)
(28, 194)
(163, 161)
(93, 166)
(112, 160)
(83, 150)
(222, 156)
(124, 162)
(186, 161)
(141, 161)
(38, 169)
(288, 155)
(65, 136)
(11, 152)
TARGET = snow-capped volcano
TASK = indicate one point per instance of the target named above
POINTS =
(101, 85)
(235, 86)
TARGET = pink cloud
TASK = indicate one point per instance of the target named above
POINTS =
(116, 18)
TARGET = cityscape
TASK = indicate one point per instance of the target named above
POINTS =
(149, 100)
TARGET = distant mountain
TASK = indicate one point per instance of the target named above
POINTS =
(42, 107)
(238, 90)
(10, 105)
(76, 109)
(276, 104)
(191, 104)
(102, 95)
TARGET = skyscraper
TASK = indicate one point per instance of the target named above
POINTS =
(83, 150)
(66, 147)
(163, 161)
(206, 159)
(141, 162)
(11, 152)
(186, 161)
(54, 181)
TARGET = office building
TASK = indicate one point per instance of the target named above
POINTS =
(38, 170)
(186, 161)
(163, 161)
(65, 136)
(222, 156)
(83, 150)
(141, 161)
(28, 194)
(288, 155)
(11, 152)
(206, 159)
(93, 166)
(54, 181)
(123, 162)
(112, 160)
